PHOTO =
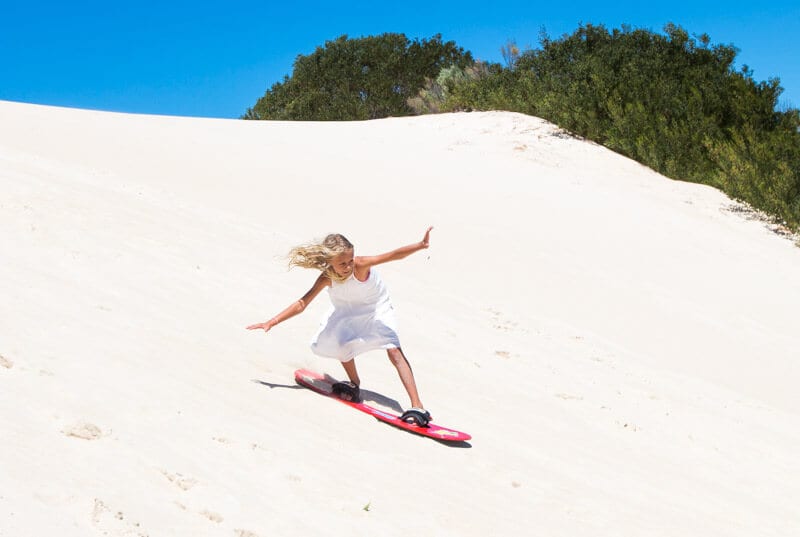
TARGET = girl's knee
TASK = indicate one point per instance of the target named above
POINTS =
(396, 356)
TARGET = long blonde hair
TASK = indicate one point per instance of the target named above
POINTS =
(319, 255)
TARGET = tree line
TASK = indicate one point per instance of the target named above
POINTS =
(674, 102)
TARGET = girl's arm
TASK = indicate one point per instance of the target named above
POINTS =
(404, 251)
(295, 307)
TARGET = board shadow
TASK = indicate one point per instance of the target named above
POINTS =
(272, 385)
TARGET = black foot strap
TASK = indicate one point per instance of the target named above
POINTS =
(347, 391)
(417, 416)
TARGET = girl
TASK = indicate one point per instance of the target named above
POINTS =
(362, 317)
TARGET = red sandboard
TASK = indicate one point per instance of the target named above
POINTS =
(324, 385)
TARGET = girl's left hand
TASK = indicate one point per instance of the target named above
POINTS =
(427, 238)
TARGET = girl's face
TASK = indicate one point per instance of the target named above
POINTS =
(342, 264)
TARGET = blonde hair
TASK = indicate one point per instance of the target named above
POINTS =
(319, 255)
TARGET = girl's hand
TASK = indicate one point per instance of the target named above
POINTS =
(263, 326)
(427, 238)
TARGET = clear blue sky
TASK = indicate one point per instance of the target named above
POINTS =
(215, 59)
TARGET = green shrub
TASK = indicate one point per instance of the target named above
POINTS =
(364, 78)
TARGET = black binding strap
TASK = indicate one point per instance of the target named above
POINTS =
(416, 416)
(347, 391)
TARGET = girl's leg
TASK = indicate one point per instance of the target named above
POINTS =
(352, 374)
(406, 375)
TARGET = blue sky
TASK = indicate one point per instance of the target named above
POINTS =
(215, 59)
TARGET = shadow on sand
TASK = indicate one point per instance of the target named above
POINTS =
(271, 385)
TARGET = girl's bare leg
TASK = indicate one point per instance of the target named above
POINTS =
(406, 375)
(352, 374)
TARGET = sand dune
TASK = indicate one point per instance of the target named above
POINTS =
(622, 347)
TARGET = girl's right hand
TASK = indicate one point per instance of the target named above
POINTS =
(263, 326)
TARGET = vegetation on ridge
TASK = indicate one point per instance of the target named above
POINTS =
(364, 78)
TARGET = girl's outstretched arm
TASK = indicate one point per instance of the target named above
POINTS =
(295, 307)
(394, 255)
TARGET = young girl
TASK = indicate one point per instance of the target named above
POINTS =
(362, 317)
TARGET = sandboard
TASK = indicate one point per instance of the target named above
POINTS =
(324, 385)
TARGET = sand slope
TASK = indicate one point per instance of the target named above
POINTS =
(622, 347)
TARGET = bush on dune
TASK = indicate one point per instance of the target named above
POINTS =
(354, 79)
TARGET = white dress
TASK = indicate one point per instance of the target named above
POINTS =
(361, 319)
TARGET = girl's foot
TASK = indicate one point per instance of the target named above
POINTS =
(347, 391)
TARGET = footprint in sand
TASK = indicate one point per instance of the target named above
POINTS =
(213, 517)
(184, 483)
(502, 323)
(112, 522)
(83, 430)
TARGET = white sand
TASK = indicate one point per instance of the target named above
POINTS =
(624, 350)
